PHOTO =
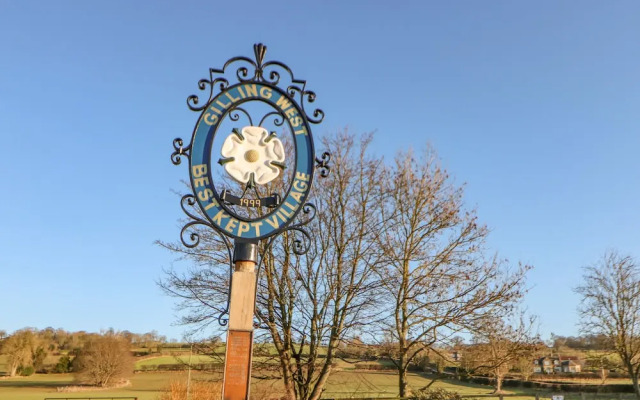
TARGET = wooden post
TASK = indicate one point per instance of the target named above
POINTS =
(237, 363)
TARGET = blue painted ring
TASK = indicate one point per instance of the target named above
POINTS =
(200, 161)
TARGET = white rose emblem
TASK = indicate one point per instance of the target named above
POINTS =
(252, 155)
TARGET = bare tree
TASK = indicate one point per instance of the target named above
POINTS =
(17, 348)
(499, 347)
(307, 304)
(104, 360)
(611, 306)
(436, 273)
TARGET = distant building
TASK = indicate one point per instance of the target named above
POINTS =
(550, 365)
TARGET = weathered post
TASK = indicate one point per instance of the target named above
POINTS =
(262, 132)
(237, 370)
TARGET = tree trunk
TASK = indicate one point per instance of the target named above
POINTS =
(402, 379)
(322, 380)
(636, 389)
(14, 369)
(498, 383)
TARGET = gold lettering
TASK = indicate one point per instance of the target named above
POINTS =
(291, 112)
(300, 186)
(296, 195)
(302, 176)
(224, 106)
(241, 92)
(301, 131)
(251, 90)
(273, 222)
(293, 208)
(218, 217)
(201, 181)
(284, 214)
(205, 195)
(210, 119)
(215, 110)
(296, 122)
(231, 225)
(257, 226)
(242, 228)
(283, 103)
(265, 92)
(198, 170)
(233, 99)
(214, 203)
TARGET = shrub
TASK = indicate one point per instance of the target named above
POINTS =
(435, 394)
(63, 365)
(26, 371)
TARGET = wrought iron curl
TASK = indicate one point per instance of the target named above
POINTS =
(189, 201)
(301, 246)
(243, 74)
(277, 121)
(235, 116)
(179, 151)
(306, 96)
(194, 100)
(192, 239)
(322, 164)
(318, 116)
(255, 71)
(274, 75)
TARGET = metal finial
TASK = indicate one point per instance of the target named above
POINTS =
(260, 51)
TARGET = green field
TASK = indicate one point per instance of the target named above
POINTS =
(342, 384)
(148, 386)
(347, 382)
(195, 359)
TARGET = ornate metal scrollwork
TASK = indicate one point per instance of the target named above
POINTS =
(192, 239)
(176, 156)
(256, 71)
(323, 164)
(227, 94)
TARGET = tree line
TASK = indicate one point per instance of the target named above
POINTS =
(84, 353)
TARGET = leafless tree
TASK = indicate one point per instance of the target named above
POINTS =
(307, 304)
(611, 306)
(104, 360)
(499, 347)
(436, 273)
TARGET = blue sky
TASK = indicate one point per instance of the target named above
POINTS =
(534, 105)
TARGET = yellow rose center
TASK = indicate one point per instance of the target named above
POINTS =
(251, 156)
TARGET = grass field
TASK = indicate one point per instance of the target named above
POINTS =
(345, 383)
(195, 359)
(342, 384)
(148, 386)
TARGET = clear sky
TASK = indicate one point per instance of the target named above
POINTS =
(534, 105)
